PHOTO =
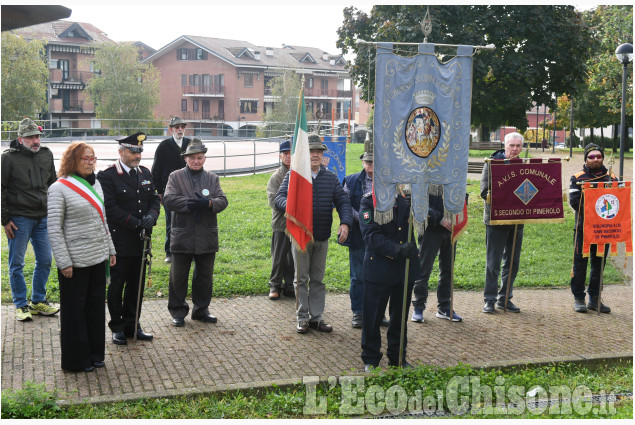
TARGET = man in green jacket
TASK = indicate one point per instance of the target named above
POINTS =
(27, 172)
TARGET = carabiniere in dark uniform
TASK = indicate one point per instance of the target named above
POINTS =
(132, 205)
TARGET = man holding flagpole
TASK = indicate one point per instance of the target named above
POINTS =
(307, 195)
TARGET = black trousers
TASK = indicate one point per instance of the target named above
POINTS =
(83, 316)
(376, 297)
(431, 244)
(580, 263)
(202, 284)
(282, 268)
(122, 294)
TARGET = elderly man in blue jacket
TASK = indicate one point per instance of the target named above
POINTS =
(311, 265)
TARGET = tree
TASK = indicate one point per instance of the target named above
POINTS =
(285, 89)
(531, 62)
(24, 78)
(123, 89)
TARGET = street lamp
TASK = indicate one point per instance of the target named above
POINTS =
(624, 53)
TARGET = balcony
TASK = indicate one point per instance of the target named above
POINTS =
(202, 115)
(74, 106)
(79, 78)
(315, 92)
(205, 91)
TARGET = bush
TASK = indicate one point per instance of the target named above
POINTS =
(32, 401)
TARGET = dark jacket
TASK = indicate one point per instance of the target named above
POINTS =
(26, 177)
(382, 241)
(167, 158)
(575, 189)
(485, 177)
(191, 234)
(355, 184)
(327, 191)
(127, 200)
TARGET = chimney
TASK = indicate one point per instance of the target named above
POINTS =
(325, 56)
(269, 51)
(257, 55)
(332, 61)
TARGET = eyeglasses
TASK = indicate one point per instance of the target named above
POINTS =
(89, 159)
(594, 156)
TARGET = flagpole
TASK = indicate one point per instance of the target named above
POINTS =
(452, 276)
(405, 293)
(511, 267)
(601, 276)
(374, 43)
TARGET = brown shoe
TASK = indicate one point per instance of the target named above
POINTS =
(274, 295)
(321, 326)
(303, 327)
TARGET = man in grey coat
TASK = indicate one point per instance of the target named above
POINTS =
(195, 198)
(282, 269)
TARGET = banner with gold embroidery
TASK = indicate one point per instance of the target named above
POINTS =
(607, 217)
(526, 192)
(421, 129)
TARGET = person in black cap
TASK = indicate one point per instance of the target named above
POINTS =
(167, 158)
(593, 170)
(132, 205)
(195, 197)
(281, 259)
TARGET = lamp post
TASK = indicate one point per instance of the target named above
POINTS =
(624, 53)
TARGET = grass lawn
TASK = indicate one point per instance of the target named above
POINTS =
(243, 263)
(424, 391)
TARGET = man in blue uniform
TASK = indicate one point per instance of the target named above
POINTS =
(384, 273)
(132, 205)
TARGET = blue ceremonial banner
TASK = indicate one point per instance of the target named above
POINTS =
(421, 129)
(335, 157)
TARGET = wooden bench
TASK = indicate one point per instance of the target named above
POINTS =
(484, 146)
(475, 166)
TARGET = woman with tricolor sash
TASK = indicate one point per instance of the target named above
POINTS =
(83, 251)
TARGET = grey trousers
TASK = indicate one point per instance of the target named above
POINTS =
(282, 270)
(498, 244)
(309, 275)
(202, 284)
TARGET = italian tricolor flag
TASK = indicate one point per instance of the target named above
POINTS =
(300, 193)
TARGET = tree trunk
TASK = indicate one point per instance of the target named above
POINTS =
(483, 134)
(602, 137)
(592, 138)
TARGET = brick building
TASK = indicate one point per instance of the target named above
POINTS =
(69, 49)
(220, 85)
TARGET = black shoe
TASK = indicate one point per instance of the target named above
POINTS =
(489, 307)
(119, 338)
(89, 368)
(593, 305)
(178, 322)
(511, 307)
(99, 364)
(142, 336)
(579, 305)
(207, 318)
(321, 326)
(404, 365)
(385, 322)
(289, 292)
(357, 320)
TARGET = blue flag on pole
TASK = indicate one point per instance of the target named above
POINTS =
(421, 129)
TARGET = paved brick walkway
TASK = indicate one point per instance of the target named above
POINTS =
(255, 344)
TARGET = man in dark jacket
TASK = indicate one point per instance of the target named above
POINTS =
(27, 172)
(195, 198)
(592, 171)
(132, 206)
(310, 265)
(384, 274)
(437, 239)
(167, 158)
(281, 259)
(499, 239)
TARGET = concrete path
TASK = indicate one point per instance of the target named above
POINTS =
(255, 344)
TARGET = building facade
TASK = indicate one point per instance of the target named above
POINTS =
(219, 86)
(70, 48)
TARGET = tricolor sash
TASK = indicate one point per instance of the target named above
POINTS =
(86, 191)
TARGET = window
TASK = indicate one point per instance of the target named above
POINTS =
(324, 87)
(308, 83)
(248, 106)
(63, 64)
(183, 104)
(184, 79)
(195, 79)
(201, 54)
(195, 105)
(249, 80)
(181, 54)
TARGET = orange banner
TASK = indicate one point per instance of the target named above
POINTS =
(607, 217)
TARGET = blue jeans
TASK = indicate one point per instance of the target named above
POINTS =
(35, 231)
(356, 260)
